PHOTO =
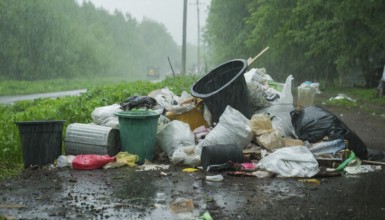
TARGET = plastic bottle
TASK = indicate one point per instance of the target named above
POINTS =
(328, 147)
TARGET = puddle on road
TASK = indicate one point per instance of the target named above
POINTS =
(145, 195)
(127, 194)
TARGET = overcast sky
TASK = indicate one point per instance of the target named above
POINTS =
(168, 12)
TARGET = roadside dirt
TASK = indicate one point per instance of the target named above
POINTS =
(125, 193)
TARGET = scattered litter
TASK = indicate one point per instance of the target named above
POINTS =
(355, 167)
(189, 155)
(221, 154)
(201, 132)
(173, 103)
(165, 174)
(65, 160)
(263, 174)
(314, 181)
(181, 204)
(342, 96)
(151, 166)
(352, 156)
(190, 170)
(91, 161)
(306, 93)
(229, 165)
(328, 172)
(248, 166)
(206, 216)
(241, 174)
(123, 159)
(215, 178)
(328, 147)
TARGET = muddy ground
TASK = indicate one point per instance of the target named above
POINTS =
(125, 193)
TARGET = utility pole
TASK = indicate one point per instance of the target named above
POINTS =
(184, 37)
(199, 40)
(199, 36)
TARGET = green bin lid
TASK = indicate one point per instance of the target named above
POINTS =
(137, 114)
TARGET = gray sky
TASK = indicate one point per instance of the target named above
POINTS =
(168, 12)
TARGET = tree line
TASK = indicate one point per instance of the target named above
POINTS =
(319, 40)
(46, 39)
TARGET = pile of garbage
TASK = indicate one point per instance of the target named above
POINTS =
(241, 122)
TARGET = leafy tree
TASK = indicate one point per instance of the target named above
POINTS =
(226, 31)
(45, 39)
(313, 40)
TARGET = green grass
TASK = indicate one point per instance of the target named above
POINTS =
(13, 87)
(365, 99)
(72, 109)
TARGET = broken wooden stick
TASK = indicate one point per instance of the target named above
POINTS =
(251, 60)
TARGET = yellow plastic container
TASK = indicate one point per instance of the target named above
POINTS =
(194, 118)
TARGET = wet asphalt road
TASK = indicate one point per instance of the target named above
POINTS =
(125, 193)
(12, 99)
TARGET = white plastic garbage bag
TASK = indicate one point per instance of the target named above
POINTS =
(174, 135)
(290, 162)
(232, 128)
(105, 115)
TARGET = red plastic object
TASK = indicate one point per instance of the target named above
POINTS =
(91, 161)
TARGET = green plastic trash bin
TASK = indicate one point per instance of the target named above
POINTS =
(138, 132)
(41, 141)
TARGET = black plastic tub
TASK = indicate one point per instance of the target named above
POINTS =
(220, 154)
(41, 141)
(222, 86)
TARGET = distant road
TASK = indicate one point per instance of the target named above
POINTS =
(13, 99)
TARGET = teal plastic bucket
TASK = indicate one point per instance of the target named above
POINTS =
(41, 141)
(138, 132)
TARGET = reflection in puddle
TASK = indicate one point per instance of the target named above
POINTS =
(147, 196)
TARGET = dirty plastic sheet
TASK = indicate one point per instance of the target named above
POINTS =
(290, 162)
(173, 103)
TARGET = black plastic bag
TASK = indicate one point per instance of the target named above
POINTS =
(313, 123)
(138, 102)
